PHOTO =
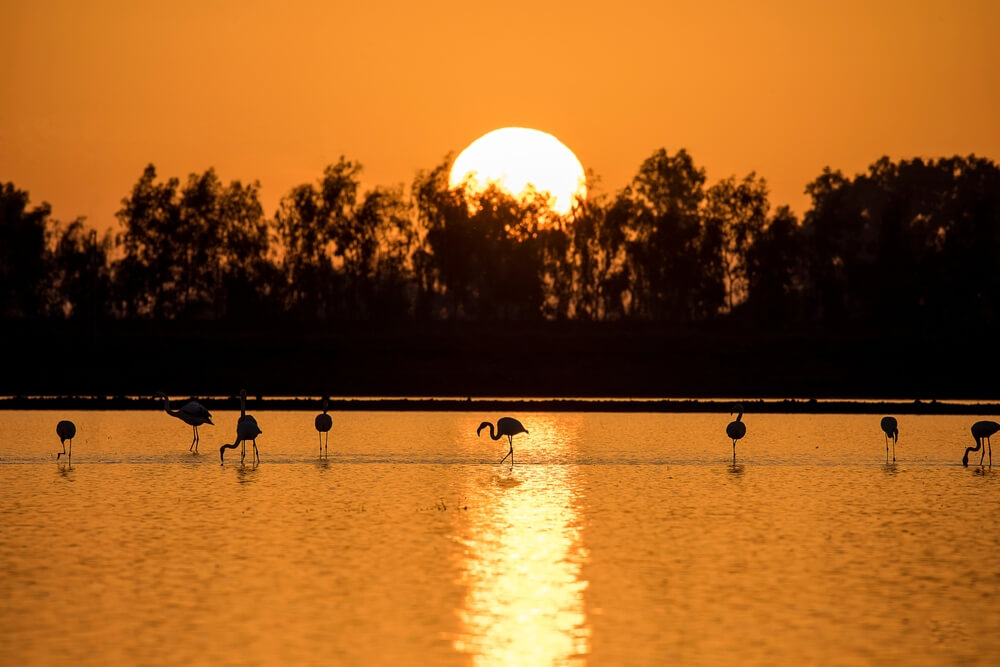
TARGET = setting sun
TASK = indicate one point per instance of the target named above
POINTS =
(514, 158)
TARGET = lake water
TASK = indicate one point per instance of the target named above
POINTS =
(615, 539)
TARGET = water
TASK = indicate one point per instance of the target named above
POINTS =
(616, 539)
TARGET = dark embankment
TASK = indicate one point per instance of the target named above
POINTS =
(492, 360)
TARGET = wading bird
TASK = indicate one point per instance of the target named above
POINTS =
(323, 424)
(506, 426)
(891, 430)
(981, 431)
(193, 414)
(66, 430)
(736, 429)
(246, 429)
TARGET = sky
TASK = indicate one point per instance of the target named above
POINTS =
(91, 92)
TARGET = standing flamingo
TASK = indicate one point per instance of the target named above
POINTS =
(981, 431)
(891, 430)
(323, 424)
(66, 430)
(193, 413)
(736, 429)
(506, 426)
(246, 429)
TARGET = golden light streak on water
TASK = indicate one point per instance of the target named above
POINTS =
(522, 560)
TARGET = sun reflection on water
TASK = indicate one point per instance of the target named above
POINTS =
(522, 564)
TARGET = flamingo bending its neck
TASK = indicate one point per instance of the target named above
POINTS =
(891, 430)
(981, 432)
(66, 430)
(506, 426)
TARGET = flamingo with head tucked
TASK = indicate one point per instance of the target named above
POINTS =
(506, 426)
(981, 432)
(323, 424)
(891, 429)
(192, 413)
(736, 429)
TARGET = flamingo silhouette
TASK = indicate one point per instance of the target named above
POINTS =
(66, 430)
(506, 426)
(736, 429)
(246, 429)
(981, 431)
(891, 430)
(323, 424)
(193, 413)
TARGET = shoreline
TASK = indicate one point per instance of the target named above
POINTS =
(604, 404)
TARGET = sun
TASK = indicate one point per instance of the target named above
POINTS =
(512, 158)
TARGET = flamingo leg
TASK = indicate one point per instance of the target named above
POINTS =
(243, 450)
(983, 454)
(987, 444)
(734, 452)
(886, 447)
(894, 450)
(510, 454)
(58, 454)
(320, 443)
(256, 454)
(71, 451)
(326, 445)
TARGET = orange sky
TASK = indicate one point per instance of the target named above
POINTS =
(90, 92)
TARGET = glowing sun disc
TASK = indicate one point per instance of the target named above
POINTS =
(512, 158)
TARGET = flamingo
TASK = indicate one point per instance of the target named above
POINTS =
(66, 430)
(736, 429)
(323, 424)
(246, 429)
(193, 413)
(891, 429)
(506, 426)
(981, 431)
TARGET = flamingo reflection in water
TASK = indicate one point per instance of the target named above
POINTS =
(246, 429)
(506, 426)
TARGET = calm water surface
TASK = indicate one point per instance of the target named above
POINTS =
(616, 539)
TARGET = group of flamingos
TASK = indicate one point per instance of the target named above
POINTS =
(195, 414)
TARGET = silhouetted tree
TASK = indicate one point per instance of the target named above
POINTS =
(776, 270)
(184, 250)
(905, 241)
(735, 214)
(22, 253)
(488, 254)
(79, 281)
(672, 259)
(343, 257)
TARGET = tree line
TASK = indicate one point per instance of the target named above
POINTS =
(908, 242)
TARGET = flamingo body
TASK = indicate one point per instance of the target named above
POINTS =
(66, 430)
(506, 426)
(891, 429)
(981, 432)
